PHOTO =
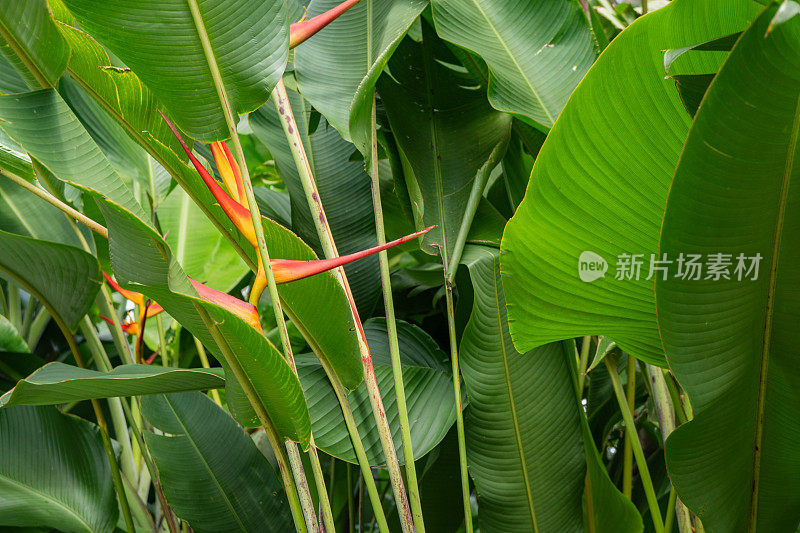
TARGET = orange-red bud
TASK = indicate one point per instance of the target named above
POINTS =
(243, 310)
(300, 31)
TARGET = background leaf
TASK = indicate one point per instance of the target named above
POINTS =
(54, 472)
(537, 52)
(204, 448)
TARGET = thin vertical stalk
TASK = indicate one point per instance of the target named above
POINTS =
(669, 518)
(27, 318)
(14, 306)
(641, 461)
(259, 231)
(391, 328)
(584, 362)
(298, 472)
(462, 449)
(627, 458)
(351, 525)
(106, 305)
(289, 125)
(38, 326)
(201, 353)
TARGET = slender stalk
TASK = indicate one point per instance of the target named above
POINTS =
(3, 303)
(303, 491)
(675, 396)
(52, 200)
(289, 125)
(391, 328)
(670, 516)
(201, 353)
(256, 219)
(584, 362)
(641, 461)
(14, 306)
(644, 7)
(627, 459)
(38, 326)
(106, 305)
(27, 318)
(351, 525)
(462, 449)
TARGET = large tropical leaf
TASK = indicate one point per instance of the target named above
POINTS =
(600, 182)
(344, 188)
(429, 391)
(200, 249)
(732, 342)
(54, 472)
(47, 128)
(10, 338)
(35, 48)
(444, 127)
(338, 68)
(523, 433)
(59, 383)
(161, 42)
(203, 449)
(63, 278)
(537, 52)
(14, 159)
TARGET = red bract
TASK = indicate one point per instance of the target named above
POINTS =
(300, 31)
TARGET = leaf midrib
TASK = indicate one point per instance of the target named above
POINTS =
(770, 310)
(514, 60)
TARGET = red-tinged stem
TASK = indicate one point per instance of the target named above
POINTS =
(289, 125)
(289, 270)
(301, 31)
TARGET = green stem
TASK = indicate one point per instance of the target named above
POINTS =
(462, 449)
(162, 343)
(627, 460)
(303, 491)
(259, 231)
(14, 306)
(38, 326)
(675, 396)
(27, 318)
(3, 303)
(670, 516)
(282, 104)
(638, 453)
(106, 305)
(644, 7)
(391, 328)
(201, 353)
(584, 362)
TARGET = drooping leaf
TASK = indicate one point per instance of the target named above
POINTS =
(337, 69)
(344, 188)
(732, 341)
(143, 262)
(160, 41)
(203, 253)
(63, 278)
(40, 53)
(54, 472)
(14, 159)
(618, 139)
(445, 129)
(428, 386)
(59, 383)
(537, 52)
(523, 435)
(203, 449)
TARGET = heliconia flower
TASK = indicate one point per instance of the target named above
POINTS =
(286, 270)
(243, 310)
(136, 297)
(228, 170)
(300, 31)
(129, 327)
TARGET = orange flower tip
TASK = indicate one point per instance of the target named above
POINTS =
(228, 170)
(243, 310)
(152, 357)
(301, 31)
(135, 297)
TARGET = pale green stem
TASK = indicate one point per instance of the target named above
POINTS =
(391, 328)
(162, 343)
(644, 7)
(38, 326)
(627, 459)
(3, 302)
(351, 525)
(670, 516)
(641, 461)
(303, 490)
(106, 305)
(27, 318)
(201, 353)
(289, 125)
(255, 217)
(14, 306)
(584, 362)
(462, 449)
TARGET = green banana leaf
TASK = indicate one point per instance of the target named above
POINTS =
(59, 383)
(537, 52)
(161, 42)
(10, 339)
(732, 341)
(202, 448)
(599, 185)
(54, 472)
(337, 69)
